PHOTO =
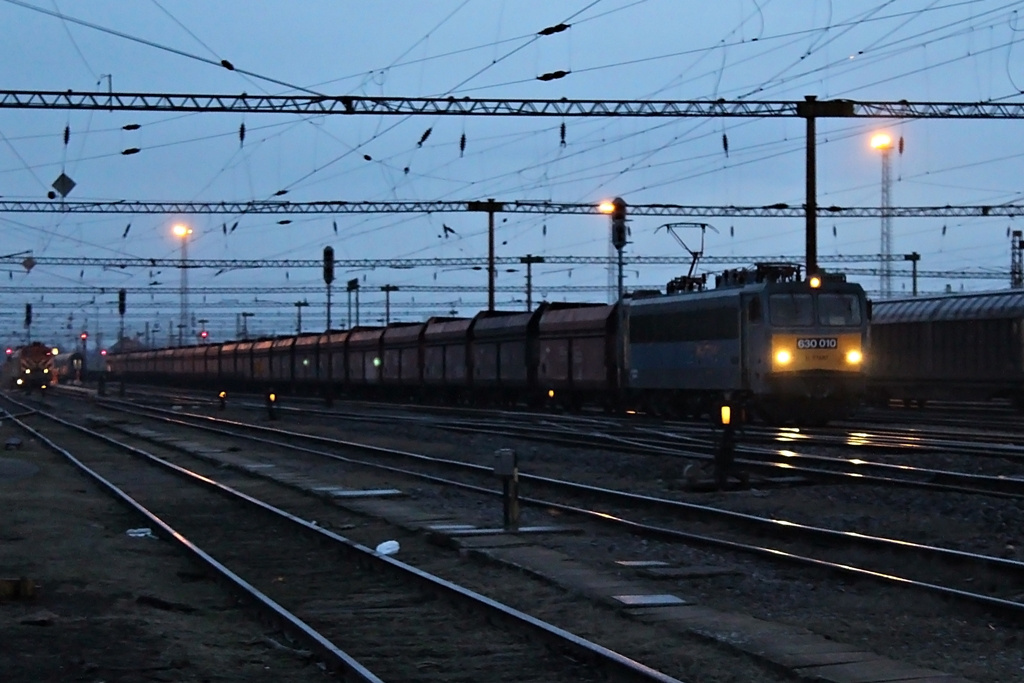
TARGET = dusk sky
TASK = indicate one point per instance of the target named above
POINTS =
(916, 50)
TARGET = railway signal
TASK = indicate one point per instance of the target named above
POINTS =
(122, 301)
(328, 265)
(618, 214)
(725, 454)
(328, 279)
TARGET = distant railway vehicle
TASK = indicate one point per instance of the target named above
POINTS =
(69, 368)
(787, 348)
(948, 347)
(29, 368)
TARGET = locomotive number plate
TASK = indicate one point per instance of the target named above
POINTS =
(817, 343)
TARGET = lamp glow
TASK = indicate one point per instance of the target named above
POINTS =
(881, 141)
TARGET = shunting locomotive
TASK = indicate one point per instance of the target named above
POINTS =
(28, 368)
(787, 348)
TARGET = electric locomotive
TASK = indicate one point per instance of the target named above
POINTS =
(786, 348)
(29, 368)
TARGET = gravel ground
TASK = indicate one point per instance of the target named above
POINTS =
(907, 626)
(110, 607)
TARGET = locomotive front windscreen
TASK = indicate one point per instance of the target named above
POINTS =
(798, 310)
(838, 309)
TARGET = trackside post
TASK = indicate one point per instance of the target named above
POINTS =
(506, 467)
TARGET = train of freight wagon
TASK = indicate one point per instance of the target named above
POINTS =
(765, 339)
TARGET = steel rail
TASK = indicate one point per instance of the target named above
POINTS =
(290, 437)
(623, 668)
(336, 658)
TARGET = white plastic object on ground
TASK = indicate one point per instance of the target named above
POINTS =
(388, 548)
(144, 532)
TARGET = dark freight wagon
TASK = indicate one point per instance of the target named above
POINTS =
(402, 357)
(446, 359)
(363, 352)
(952, 347)
(504, 356)
(577, 353)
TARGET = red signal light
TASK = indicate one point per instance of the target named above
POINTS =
(85, 335)
(204, 334)
(103, 352)
(9, 350)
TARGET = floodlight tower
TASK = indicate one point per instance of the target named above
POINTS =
(883, 143)
(182, 232)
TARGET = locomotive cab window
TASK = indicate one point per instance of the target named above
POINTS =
(838, 309)
(754, 311)
(791, 309)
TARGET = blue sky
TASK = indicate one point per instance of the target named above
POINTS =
(919, 50)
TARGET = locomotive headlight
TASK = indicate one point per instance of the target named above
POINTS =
(28, 371)
(854, 357)
(783, 357)
(46, 370)
(20, 381)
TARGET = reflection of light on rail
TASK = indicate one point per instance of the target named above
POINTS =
(787, 454)
(790, 434)
(856, 461)
(782, 522)
(630, 412)
(858, 439)
(784, 465)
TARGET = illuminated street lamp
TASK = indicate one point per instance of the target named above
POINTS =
(182, 232)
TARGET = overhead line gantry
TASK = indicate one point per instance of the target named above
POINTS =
(464, 106)
(779, 210)
(810, 109)
(405, 263)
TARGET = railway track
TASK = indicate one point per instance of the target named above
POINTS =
(775, 456)
(846, 552)
(367, 615)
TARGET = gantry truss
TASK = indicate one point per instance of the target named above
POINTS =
(407, 263)
(86, 290)
(779, 210)
(465, 106)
